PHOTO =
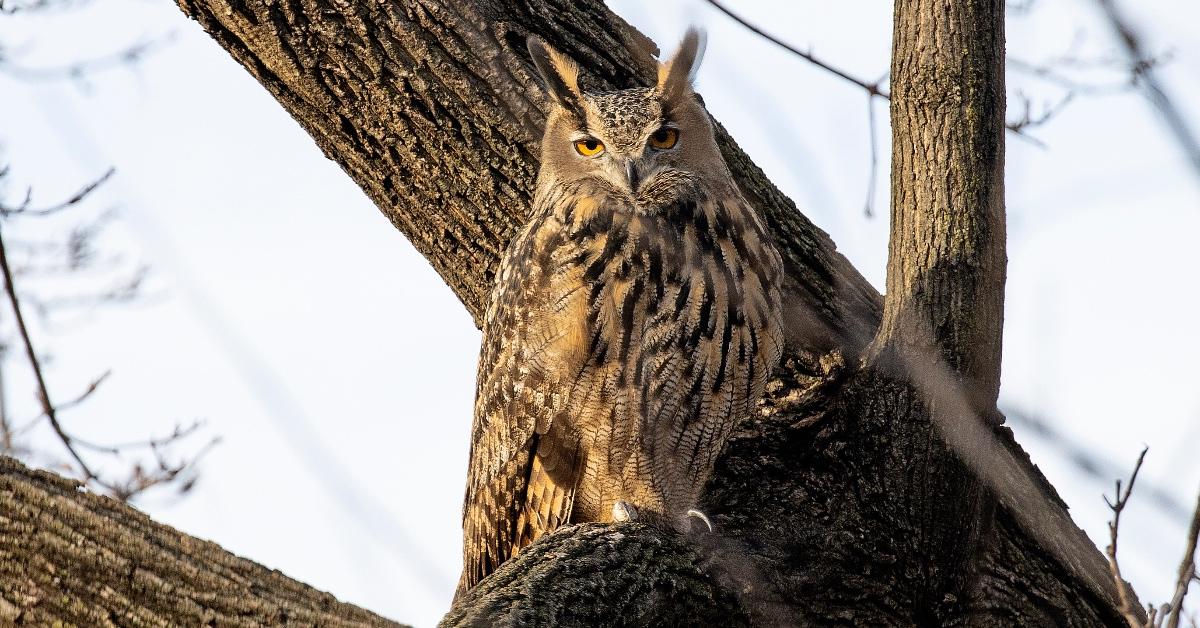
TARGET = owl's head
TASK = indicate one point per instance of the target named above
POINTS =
(649, 146)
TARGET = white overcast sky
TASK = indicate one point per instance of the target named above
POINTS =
(339, 371)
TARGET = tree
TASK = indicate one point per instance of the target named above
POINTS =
(878, 486)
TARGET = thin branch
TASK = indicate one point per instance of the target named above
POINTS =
(66, 405)
(77, 71)
(871, 180)
(873, 89)
(24, 208)
(1153, 88)
(1047, 72)
(180, 432)
(1187, 570)
(6, 432)
(1088, 463)
(35, 364)
(140, 480)
(32, 6)
(1025, 6)
(1030, 119)
(87, 392)
(1122, 499)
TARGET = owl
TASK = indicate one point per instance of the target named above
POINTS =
(634, 320)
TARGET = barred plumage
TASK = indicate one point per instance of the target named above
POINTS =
(634, 321)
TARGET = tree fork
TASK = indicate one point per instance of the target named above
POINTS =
(944, 306)
(425, 104)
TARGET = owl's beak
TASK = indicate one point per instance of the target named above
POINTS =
(631, 175)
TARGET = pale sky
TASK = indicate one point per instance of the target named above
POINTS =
(339, 370)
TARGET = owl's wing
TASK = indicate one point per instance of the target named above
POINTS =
(524, 456)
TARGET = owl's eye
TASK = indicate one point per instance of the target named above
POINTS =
(664, 138)
(589, 147)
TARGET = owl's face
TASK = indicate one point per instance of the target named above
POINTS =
(648, 146)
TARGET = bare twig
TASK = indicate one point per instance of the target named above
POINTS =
(180, 432)
(1050, 73)
(6, 432)
(24, 209)
(1030, 119)
(1117, 506)
(873, 89)
(9, 7)
(140, 479)
(1187, 570)
(87, 392)
(127, 57)
(1024, 6)
(1088, 463)
(121, 290)
(1153, 88)
(874, 173)
(35, 364)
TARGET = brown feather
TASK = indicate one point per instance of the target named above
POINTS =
(629, 329)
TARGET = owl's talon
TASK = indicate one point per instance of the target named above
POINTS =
(624, 511)
(696, 514)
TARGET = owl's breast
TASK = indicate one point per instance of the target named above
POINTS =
(663, 317)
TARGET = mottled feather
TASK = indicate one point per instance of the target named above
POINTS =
(630, 327)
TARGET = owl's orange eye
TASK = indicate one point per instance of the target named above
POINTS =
(664, 138)
(589, 147)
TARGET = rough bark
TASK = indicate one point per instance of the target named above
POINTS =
(840, 503)
(943, 313)
(650, 580)
(432, 108)
(946, 256)
(69, 557)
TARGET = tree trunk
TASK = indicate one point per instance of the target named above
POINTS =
(946, 261)
(868, 492)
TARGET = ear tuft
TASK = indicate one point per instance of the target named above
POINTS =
(559, 72)
(676, 75)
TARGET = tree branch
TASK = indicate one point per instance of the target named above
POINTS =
(822, 504)
(431, 115)
(36, 365)
(24, 209)
(425, 104)
(872, 89)
(567, 578)
(69, 556)
(1120, 500)
(1187, 569)
(875, 89)
(1155, 92)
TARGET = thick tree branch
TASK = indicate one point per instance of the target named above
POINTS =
(825, 506)
(431, 107)
(71, 557)
(946, 256)
(630, 574)
(426, 105)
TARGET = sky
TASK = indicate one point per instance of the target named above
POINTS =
(338, 370)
